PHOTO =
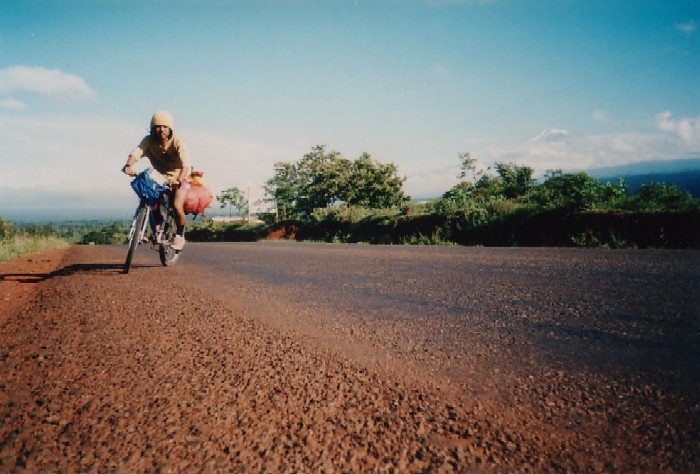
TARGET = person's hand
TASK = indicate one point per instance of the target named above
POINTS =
(174, 185)
(128, 170)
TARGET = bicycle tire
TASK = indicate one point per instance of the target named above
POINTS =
(134, 236)
(168, 255)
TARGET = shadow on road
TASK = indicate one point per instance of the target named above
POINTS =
(104, 268)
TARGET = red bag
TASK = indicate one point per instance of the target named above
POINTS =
(198, 197)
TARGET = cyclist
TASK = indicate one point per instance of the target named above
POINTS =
(170, 157)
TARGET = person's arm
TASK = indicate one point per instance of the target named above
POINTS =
(184, 173)
(131, 160)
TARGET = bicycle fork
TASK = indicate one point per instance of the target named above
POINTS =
(142, 231)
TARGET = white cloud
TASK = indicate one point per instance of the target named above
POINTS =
(12, 104)
(64, 155)
(686, 129)
(661, 137)
(51, 83)
(668, 138)
(687, 27)
(672, 139)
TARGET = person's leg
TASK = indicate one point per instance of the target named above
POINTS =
(180, 216)
(179, 206)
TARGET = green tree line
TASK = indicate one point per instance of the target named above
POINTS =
(336, 199)
(322, 180)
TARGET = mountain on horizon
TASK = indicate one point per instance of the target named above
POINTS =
(683, 173)
(551, 135)
(647, 167)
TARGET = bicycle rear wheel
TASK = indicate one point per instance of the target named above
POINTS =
(135, 235)
(168, 255)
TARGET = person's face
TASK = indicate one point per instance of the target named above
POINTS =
(162, 132)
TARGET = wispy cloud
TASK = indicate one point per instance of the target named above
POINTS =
(686, 129)
(12, 104)
(51, 83)
(670, 138)
(688, 27)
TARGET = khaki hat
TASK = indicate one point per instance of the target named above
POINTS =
(163, 118)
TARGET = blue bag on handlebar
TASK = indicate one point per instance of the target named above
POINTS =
(147, 187)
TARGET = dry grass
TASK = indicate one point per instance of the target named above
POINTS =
(20, 245)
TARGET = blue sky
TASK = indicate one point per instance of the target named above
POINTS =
(550, 84)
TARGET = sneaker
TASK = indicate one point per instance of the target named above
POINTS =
(178, 242)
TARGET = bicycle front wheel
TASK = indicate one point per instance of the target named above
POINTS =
(135, 236)
(168, 255)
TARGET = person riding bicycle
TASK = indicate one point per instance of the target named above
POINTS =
(170, 157)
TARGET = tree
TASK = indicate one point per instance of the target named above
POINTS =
(511, 182)
(233, 197)
(373, 185)
(516, 180)
(468, 167)
(322, 178)
(573, 191)
(615, 194)
(663, 197)
(472, 185)
(283, 188)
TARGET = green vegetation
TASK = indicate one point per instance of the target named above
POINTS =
(104, 233)
(318, 197)
(322, 179)
(209, 231)
(504, 206)
(233, 198)
(16, 241)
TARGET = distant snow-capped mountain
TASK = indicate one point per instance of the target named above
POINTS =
(551, 136)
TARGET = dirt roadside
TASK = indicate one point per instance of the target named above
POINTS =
(18, 276)
(99, 375)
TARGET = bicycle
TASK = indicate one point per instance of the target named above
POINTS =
(154, 220)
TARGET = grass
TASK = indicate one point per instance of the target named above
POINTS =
(20, 245)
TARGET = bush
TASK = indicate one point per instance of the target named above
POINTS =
(662, 197)
(7, 230)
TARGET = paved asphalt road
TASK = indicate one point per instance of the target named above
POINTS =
(608, 310)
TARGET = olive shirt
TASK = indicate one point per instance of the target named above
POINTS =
(168, 159)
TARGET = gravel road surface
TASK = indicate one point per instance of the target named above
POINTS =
(288, 357)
